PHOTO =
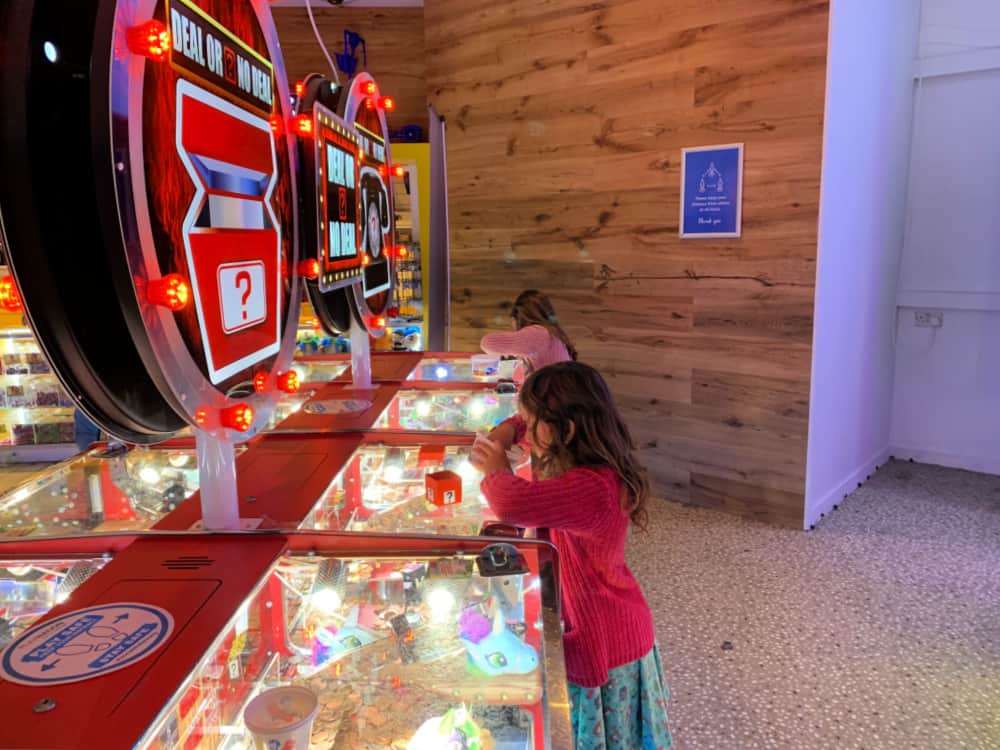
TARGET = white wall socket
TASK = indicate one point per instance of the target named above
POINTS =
(928, 318)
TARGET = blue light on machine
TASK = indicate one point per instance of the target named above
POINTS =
(51, 52)
(441, 372)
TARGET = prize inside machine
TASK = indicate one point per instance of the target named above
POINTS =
(432, 651)
(107, 489)
(320, 356)
(465, 409)
(30, 588)
(464, 368)
(403, 487)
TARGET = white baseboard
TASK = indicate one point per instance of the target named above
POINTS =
(816, 509)
(981, 464)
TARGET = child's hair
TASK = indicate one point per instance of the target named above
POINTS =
(574, 392)
(532, 308)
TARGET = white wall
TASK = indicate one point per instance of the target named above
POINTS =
(866, 146)
(949, 27)
(947, 384)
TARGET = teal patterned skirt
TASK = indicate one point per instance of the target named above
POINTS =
(628, 712)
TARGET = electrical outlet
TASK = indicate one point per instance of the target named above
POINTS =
(928, 318)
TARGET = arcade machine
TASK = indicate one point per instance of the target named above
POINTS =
(179, 182)
(108, 489)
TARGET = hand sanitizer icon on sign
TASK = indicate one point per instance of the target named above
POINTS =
(712, 178)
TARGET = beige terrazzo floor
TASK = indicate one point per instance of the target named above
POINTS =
(878, 630)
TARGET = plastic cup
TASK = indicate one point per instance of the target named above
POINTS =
(282, 718)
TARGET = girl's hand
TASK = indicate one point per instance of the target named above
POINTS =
(488, 456)
(503, 434)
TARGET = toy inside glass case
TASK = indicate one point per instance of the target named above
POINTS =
(29, 589)
(390, 489)
(288, 405)
(315, 370)
(391, 650)
(452, 410)
(104, 490)
(463, 369)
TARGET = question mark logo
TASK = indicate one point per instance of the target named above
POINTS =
(240, 278)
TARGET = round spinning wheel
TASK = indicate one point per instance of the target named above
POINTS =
(148, 207)
(348, 217)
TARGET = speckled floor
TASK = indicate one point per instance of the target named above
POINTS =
(879, 630)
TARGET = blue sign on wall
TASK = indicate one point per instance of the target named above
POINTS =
(712, 191)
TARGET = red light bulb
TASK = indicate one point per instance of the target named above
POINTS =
(150, 39)
(398, 170)
(368, 88)
(238, 417)
(10, 297)
(171, 292)
(260, 382)
(276, 125)
(402, 252)
(369, 103)
(288, 382)
(377, 321)
(200, 417)
(300, 88)
(309, 268)
(388, 103)
(302, 125)
(366, 259)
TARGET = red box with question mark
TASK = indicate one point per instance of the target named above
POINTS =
(443, 488)
(231, 241)
(241, 294)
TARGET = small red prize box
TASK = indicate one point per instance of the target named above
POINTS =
(443, 488)
(430, 454)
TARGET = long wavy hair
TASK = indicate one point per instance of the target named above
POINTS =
(532, 308)
(572, 392)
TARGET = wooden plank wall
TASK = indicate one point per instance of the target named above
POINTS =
(395, 41)
(565, 124)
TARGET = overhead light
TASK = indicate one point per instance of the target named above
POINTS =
(442, 604)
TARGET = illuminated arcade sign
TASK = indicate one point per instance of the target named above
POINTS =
(337, 155)
(353, 216)
(203, 47)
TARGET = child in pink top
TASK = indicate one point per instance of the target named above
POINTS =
(589, 487)
(538, 339)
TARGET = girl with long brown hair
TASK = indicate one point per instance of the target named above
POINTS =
(538, 338)
(589, 486)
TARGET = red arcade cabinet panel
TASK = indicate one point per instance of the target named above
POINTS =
(119, 691)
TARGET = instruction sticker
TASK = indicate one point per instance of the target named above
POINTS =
(86, 643)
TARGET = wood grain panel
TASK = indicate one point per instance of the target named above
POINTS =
(395, 41)
(566, 120)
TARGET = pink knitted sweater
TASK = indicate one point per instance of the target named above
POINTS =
(534, 344)
(607, 620)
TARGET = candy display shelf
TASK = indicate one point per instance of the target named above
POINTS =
(36, 414)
